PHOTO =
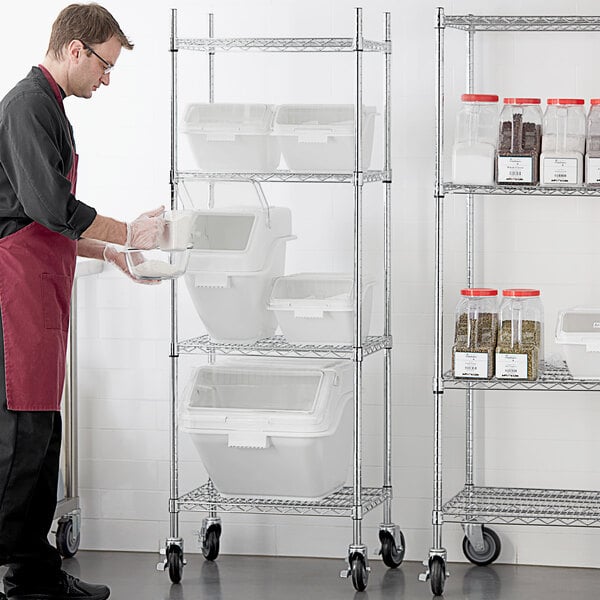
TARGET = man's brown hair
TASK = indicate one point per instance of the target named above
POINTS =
(90, 23)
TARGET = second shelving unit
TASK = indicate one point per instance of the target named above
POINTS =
(475, 507)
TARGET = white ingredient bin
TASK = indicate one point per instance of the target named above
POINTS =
(273, 429)
(578, 335)
(320, 137)
(318, 308)
(232, 137)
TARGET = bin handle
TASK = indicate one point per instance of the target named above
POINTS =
(262, 199)
(248, 439)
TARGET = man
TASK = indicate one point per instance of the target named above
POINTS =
(43, 226)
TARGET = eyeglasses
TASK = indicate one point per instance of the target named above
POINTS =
(108, 67)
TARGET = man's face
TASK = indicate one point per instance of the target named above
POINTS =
(88, 73)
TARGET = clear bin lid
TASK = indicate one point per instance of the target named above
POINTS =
(579, 325)
(307, 397)
(228, 232)
(330, 291)
(253, 390)
(230, 118)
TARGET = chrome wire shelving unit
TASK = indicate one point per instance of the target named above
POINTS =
(285, 177)
(277, 346)
(340, 504)
(525, 190)
(473, 23)
(475, 506)
(316, 44)
(357, 500)
(525, 506)
(551, 378)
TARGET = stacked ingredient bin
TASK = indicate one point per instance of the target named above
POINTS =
(316, 137)
(272, 428)
(236, 255)
(318, 308)
(231, 137)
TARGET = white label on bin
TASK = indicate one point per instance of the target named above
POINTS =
(560, 170)
(593, 170)
(511, 366)
(471, 364)
(515, 169)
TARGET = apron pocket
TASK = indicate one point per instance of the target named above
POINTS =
(56, 299)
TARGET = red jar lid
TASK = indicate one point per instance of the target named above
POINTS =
(478, 292)
(522, 101)
(520, 293)
(595, 101)
(479, 98)
(566, 101)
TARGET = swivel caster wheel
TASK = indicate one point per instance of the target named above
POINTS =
(490, 551)
(391, 553)
(210, 543)
(437, 575)
(67, 543)
(175, 563)
(359, 572)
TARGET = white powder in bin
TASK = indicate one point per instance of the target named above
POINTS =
(155, 268)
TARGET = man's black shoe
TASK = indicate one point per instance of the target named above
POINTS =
(67, 588)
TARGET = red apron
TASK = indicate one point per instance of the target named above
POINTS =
(36, 279)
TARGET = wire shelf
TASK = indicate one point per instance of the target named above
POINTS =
(340, 504)
(284, 177)
(524, 506)
(552, 377)
(527, 190)
(278, 346)
(280, 44)
(522, 23)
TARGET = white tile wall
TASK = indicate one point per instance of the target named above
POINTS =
(123, 138)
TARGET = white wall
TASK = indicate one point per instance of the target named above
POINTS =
(535, 440)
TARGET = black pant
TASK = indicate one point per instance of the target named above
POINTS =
(29, 468)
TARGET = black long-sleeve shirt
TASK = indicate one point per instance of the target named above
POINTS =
(35, 158)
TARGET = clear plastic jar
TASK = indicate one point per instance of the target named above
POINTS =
(592, 156)
(520, 335)
(475, 332)
(519, 142)
(474, 147)
(563, 142)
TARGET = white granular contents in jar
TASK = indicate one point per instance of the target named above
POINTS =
(155, 268)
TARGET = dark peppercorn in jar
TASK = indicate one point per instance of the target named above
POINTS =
(519, 142)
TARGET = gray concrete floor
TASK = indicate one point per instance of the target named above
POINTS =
(133, 575)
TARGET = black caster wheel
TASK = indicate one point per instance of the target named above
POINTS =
(437, 575)
(491, 549)
(210, 544)
(360, 575)
(175, 563)
(391, 554)
(66, 543)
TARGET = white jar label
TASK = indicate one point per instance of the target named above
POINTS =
(560, 170)
(593, 170)
(471, 364)
(515, 169)
(511, 366)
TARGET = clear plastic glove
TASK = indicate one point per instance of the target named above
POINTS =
(114, 257)
(145, 231)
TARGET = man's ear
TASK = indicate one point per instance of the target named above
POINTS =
(74, 50)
